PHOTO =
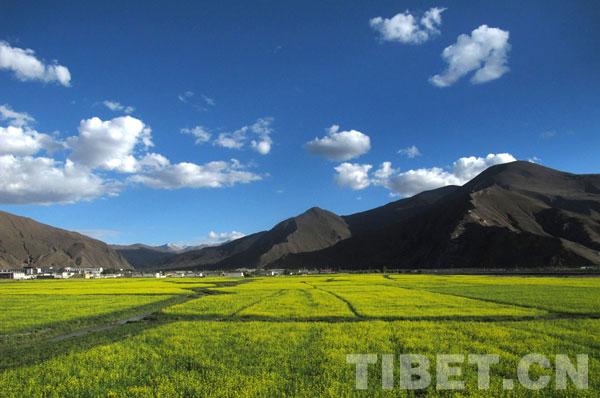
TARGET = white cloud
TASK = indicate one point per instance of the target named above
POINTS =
(467, 168)
(340, 145)
(188, 97)
(213, 238)
(410, 152)
(215, 174)
(233, 140)
(119, 145)
(411, 182)
(19, 139)
(222, 237)
(200, 133)
(406, 28)
(22, 141)
(384, 172)
(261, 130)
(25, 178)
(118, 107)
(484, 52)
(14, 118)
(352, 175)
(110, 144)
(25, 66)
(432, 19)
(43, 180)
(263, 147)
(462, 171)
(208, 100)
(185, 97)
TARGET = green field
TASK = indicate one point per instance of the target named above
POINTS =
(284, 336)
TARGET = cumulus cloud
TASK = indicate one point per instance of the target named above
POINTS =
(110, 144)
(26, 66)
(257, 135)
(200, 133)
(217, 174)
(484, 52)
(42, 180)
(340, 145)
(118, 107)
(119, 146)
(262, 128)
(222, 237)
(467, 168)
(408, 29)
(411, 182)
(23, 141)
(213, 238)
(234, 140)
(15, 118)
(353, 175)
(19, 138)
(384, 172)
(410, 152)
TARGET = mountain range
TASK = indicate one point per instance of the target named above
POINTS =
(517, 214)
(142, 256)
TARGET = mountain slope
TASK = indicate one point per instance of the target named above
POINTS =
(313, 230)
(143, 256)
(24, 241)
(515, 214)
(394, 212)
(148, 257)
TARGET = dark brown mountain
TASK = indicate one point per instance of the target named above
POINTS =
(518, 214)
(24, 242)
(395, 212)
(144, 257)
(313, 230)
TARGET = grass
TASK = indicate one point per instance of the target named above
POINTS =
(283, 336)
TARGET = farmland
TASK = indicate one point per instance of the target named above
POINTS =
(283, 336)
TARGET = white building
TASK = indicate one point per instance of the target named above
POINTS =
(18, 275)
(275, 272)
(233, 274)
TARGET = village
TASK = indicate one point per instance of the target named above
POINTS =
(28, 273)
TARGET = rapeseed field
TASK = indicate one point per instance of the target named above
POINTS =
(286, 336)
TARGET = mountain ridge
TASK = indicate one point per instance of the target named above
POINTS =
(142, 256)
(517, 214)
(26, 242)
(510, 215)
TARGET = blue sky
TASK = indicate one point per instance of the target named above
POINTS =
(281, 75)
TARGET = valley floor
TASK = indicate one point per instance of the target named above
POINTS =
(285, 336)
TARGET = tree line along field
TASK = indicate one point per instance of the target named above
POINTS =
(283, 336)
